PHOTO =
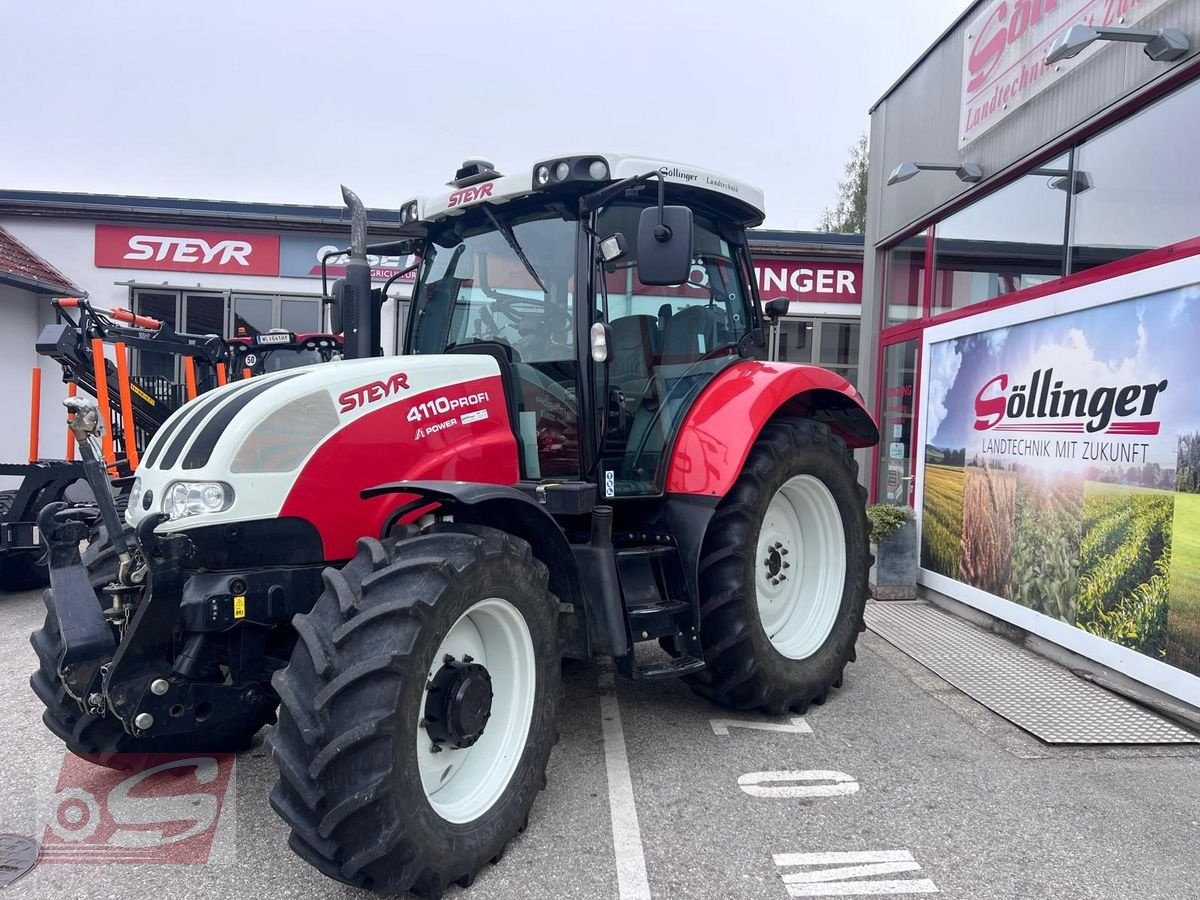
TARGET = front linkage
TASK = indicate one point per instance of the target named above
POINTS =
(159, 644)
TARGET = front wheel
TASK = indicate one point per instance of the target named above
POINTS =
(783, 573)
(418, 709)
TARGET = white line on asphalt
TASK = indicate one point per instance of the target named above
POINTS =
(766, 784)
(844, 879)
(632, 883)
(797, 725)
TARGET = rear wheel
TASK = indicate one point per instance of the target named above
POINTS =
(783, 573)
(418, 710)
(20, 570)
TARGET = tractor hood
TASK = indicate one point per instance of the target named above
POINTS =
(305, 442)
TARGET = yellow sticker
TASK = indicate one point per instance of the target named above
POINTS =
(239, 607)
(137, 390)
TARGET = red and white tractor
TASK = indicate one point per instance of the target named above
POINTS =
(582, 452)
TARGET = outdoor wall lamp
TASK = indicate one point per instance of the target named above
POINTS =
(1163, 45)
(1063, 180)
(968, 172)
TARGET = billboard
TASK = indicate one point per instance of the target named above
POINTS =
(300, 257)
(175, 250)
(1004, 47)
(1061, 467)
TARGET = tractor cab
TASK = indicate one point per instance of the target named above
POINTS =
(612, 288)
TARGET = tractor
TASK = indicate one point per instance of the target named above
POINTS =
(581, 453)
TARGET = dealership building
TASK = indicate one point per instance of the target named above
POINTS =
(1031, 314)
(235, 268)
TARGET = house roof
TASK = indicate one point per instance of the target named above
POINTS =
(22, 268)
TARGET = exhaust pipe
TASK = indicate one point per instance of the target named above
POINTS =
(360, 325)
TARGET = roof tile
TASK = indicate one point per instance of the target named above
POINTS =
(17, 259)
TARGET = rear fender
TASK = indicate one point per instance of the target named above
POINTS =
(509, 510)
(725, 420)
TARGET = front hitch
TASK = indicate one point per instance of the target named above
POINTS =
(87, 638)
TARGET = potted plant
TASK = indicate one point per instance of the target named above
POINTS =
(894, 543)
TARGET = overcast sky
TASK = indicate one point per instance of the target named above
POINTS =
(281, 101)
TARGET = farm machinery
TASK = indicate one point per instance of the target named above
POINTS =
(581, 453)
(92, 345)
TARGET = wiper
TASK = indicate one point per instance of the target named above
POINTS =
(511, 240)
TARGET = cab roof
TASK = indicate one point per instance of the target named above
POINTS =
(739, 199)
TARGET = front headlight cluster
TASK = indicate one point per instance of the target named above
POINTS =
(194, 498)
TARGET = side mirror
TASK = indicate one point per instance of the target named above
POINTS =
(664, 245)
(773, 309)
(336, 303)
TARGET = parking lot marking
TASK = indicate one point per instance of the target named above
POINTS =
(762, 784)
(632, 882)
(796, 726)
(830, 881)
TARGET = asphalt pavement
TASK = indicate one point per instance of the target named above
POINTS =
(899, 785)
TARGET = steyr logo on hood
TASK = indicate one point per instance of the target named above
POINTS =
(369, 393)
(1071, 410)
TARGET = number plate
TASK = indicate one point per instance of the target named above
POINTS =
(273, 339)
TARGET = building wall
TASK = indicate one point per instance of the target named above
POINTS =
(17, 358)
(918, 121)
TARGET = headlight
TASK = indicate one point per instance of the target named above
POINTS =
(135, 494)
(193, 498)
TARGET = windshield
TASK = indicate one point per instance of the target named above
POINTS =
(507, 284)
(511, 284)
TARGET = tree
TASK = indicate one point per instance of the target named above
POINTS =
(849, 214)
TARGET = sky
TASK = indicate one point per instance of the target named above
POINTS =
(282, 101)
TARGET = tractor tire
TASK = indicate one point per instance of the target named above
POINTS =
(20, 570)
(783, 573)
(102, 740)
(373, 678)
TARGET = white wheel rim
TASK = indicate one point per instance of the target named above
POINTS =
(800, 567)
(462, 784)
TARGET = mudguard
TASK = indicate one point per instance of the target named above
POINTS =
(511, 510)
(725, 420)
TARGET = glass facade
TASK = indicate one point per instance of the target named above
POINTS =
(1122, 191)
(1010, 240)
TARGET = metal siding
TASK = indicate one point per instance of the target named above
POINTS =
(920, 118)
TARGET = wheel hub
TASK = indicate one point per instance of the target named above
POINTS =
(459, 703)
(774, 563)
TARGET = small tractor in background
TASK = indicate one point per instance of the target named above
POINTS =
(582, 452)
(133, 407)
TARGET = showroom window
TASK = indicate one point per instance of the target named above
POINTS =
(904, 281)
(1009, 240)
(1140, 186)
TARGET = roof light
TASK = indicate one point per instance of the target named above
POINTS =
(562, 171)
(598, 169)
(542, 175)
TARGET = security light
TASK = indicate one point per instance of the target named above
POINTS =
(1162, 45)
(1065, 180)
(966, 172)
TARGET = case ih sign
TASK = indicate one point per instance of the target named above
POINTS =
(172, 250)
(1006, 43)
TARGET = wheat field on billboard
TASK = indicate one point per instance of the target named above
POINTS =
(942, 519)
